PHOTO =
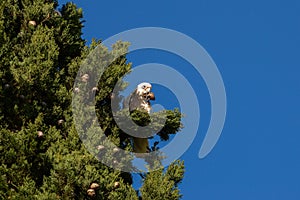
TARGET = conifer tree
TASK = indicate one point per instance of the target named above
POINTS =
(42, 155)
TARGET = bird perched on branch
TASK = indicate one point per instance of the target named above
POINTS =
(140, 100)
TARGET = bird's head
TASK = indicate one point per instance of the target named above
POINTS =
(144, 90)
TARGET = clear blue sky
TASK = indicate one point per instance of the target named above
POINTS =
(256, 46)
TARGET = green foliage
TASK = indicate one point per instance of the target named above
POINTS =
(41, 153)
(163, 185)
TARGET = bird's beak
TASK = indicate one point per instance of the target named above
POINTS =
(151, 96)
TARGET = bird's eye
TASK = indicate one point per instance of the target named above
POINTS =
(144, 86)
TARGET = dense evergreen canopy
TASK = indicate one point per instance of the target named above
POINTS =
(42, 156)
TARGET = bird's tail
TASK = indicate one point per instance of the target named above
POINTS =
(140, 145)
